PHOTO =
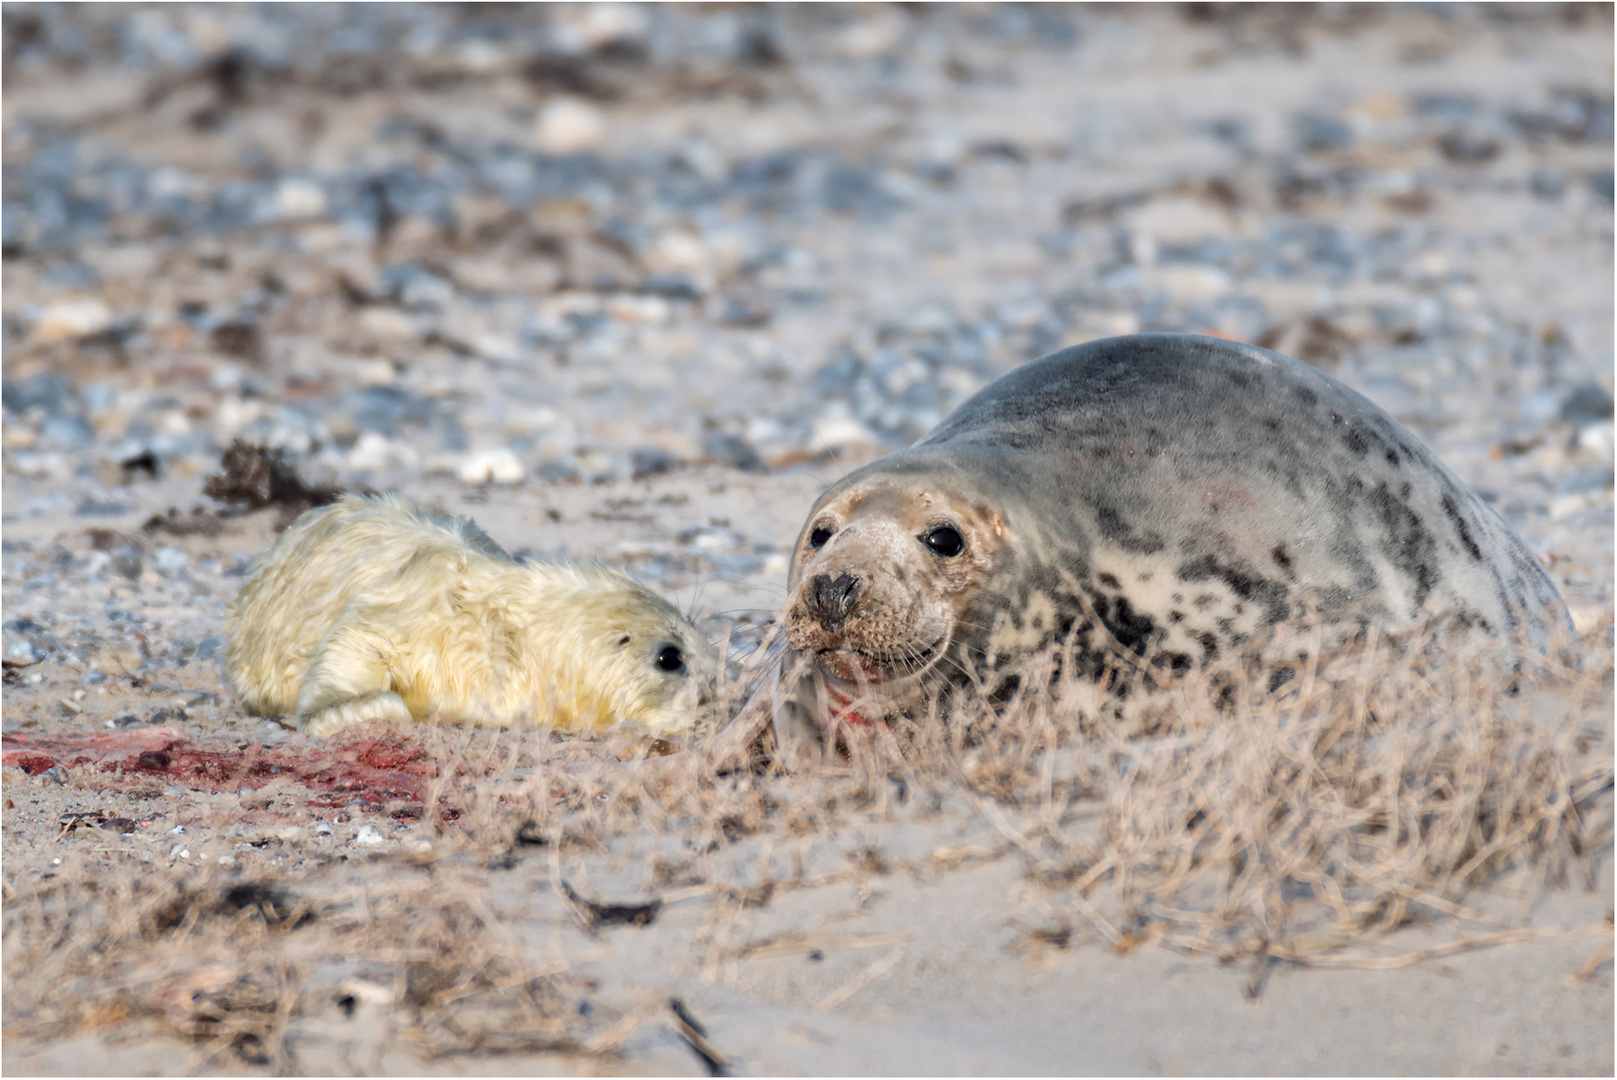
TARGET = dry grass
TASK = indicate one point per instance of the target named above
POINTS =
(1386, 780)
(1211, 816)
(228, 963)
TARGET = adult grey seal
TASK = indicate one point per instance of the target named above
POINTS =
(1183, 492)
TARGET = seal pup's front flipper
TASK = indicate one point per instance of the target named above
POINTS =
(330, 719)
(348, 681)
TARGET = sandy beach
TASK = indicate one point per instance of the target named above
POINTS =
(634, 284)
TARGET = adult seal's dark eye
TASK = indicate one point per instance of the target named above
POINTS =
(944, 541)
(819, 536)
(671, 659)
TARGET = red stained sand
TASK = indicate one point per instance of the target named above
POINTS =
(378, 769)
(37, 753)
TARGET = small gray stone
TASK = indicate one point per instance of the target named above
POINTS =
(1467, 147)
(127, 563)
(415, 286)
(1600, 183)
(24, 652)
(735, 451)
(1587, 402)
(169, 561)
(72, 275)
(99, 397)
(1586, 482)
(1540, 407)
(651, 461)
(1319, 131)
(1547, 184)
(745, 311)
(67, 433)
(96, 508)
(323, 829)
(49, 390)
(671, 286)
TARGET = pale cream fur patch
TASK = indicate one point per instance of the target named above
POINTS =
(373, 609)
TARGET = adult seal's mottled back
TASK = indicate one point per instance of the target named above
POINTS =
(1186, 492)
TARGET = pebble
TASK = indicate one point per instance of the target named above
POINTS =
(126, 562)
(734, 451)
(299, 198)
(24, 652)
(1588, 402)
(1597, 439)
(1564, 506)
(1541, 407)
(834, 432)
(557, 471)
(42, 466)
(499, 466)
(1587, 618)
(72, 319)
(1586, 481)
(323, 829)
(367, 836)
(567, 126)
(66, 433)
(651, 461)
(375, 451)
(170, 561)
(416, 287)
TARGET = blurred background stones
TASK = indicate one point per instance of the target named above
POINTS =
(599, 244)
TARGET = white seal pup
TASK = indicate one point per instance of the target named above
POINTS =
(372, 608)
(1184, 492)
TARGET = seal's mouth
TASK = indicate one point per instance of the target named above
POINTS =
(855, 672)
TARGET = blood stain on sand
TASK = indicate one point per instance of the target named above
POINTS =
(379, 769)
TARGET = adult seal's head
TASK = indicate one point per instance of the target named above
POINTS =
(1166, 490)
(888, 574)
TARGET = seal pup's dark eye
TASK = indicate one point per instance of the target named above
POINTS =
(944, 541)
(819, 536)
(670, 658)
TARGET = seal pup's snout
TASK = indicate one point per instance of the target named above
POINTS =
(832, 598)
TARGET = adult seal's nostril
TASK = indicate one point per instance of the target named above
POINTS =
(833, 598)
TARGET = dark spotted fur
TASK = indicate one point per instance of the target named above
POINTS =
(1190, 491)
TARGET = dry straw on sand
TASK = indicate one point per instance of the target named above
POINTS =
(1212, 817)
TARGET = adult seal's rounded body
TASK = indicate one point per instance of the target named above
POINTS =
(1184, 493)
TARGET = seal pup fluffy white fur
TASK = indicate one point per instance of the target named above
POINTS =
(372, 608)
